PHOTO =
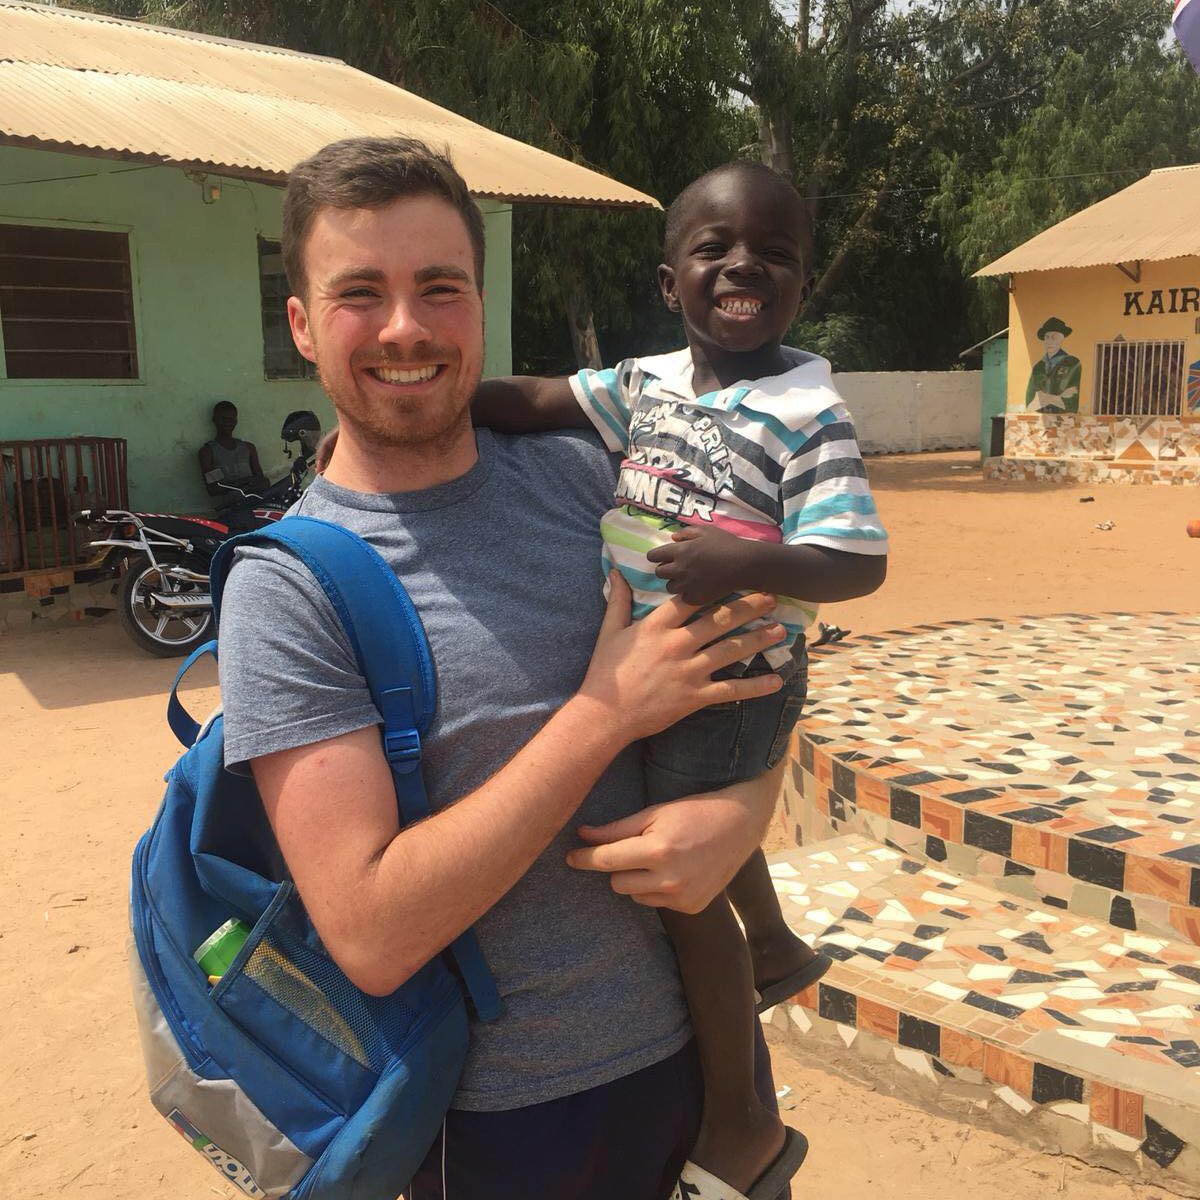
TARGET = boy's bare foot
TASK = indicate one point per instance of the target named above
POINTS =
(778, 956)
(739, 1150)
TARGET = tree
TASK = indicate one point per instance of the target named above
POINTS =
(863, 104)
(1099, 128)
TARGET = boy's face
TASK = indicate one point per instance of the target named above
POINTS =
(739, 277)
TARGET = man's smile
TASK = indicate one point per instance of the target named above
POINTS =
(406, 375)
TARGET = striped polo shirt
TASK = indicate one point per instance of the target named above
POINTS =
(774, 459)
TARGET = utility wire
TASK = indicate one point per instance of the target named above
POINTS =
(88, 175)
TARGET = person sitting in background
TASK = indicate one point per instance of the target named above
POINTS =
(227, 462)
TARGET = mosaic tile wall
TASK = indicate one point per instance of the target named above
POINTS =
(1128, 440)
(1058, 757)
(1081, 448)
(1089, 1032)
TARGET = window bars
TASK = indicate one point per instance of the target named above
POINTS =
(281, 359)
(1139, 379)
(66, 303)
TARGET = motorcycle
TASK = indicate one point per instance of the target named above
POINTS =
(161, 560)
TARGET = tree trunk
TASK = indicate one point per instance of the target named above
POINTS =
(803, 19)
(580, 319)
(775, 138)
(775, 149)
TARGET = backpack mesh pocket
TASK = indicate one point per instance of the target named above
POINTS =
(369, 1029)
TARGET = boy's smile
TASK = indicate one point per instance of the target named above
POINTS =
(738, 277)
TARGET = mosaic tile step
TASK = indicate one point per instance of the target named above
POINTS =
(1175, 472)
(1057, 757)
(1088, 1030)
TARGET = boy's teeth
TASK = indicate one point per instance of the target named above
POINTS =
(418, 375)
(741, 307)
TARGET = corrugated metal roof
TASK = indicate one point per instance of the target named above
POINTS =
(1150, 220)
(103, 85)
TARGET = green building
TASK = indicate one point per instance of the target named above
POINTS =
(141, 174)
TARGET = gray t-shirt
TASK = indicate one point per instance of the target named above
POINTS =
(502, 565)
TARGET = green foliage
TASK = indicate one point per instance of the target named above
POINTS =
(1100, 127)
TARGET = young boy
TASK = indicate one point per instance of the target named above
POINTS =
(742, 473)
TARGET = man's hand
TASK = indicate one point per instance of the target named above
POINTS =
(702, 565)
(681, 855)
(648, 674)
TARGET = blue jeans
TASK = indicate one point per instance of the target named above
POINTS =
(725, 743)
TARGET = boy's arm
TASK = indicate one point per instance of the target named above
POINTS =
(705, 565)
(527, 404)
(834, 547)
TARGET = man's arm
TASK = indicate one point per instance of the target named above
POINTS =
(527, 404)
(705, 565)
(385, 900)
(206, 469)
(682, 854)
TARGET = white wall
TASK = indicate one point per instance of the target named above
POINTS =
(907, 411)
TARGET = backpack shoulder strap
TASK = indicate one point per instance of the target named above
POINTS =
(389, 642)
(381, 624)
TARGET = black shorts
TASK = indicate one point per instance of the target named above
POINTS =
(625, 1140)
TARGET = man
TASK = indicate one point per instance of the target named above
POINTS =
(228, 462)
(1054, 380)
(587, 1087)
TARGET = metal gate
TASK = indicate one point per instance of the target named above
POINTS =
(43, 483)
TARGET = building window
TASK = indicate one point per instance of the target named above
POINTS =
(66, 303)
(281, 359)
(1139, 379)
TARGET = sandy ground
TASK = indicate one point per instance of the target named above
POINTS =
(85, 744)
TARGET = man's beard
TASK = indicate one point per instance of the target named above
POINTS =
(434, 431)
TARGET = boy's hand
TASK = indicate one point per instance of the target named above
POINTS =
(702, 565)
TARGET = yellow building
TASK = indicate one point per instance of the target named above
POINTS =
(1104, 340)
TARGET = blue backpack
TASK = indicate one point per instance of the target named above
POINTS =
(289, 1079)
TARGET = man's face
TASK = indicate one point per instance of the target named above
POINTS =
(739, 276)
(1053, 342)
(225, 420)
(393, 318)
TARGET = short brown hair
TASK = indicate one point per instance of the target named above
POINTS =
(368, 173)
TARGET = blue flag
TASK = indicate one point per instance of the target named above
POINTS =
(1186, 23)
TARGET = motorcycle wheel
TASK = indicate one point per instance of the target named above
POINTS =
(155, 629)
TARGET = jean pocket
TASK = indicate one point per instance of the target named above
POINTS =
(789, 717)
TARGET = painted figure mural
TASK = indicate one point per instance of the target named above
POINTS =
(1054, 380)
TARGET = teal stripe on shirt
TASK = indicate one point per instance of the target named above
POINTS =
(793, 439)
(833, 506)
(620, 432)
(861, 533)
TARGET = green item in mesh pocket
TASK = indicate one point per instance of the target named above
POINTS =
(216, 953)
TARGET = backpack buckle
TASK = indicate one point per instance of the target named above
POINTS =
(402, 748)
